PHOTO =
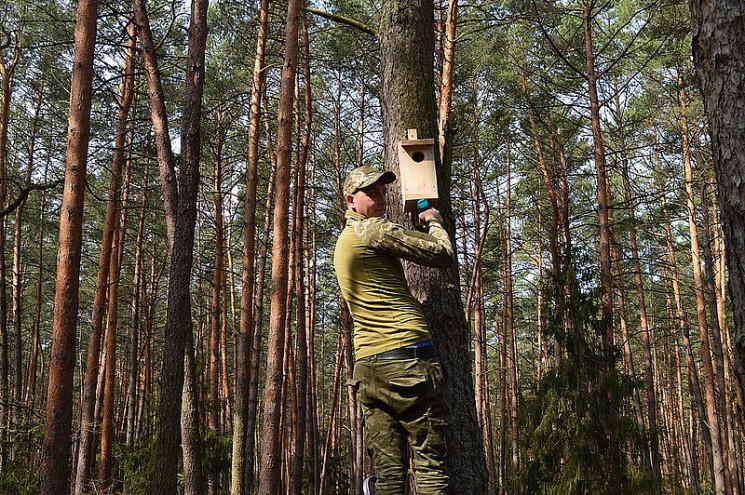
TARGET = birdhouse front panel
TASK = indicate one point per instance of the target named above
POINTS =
(418, 176)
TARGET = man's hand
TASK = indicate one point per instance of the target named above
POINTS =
(429, 214)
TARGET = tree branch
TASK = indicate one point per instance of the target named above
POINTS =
(343, 20)
(24, 194)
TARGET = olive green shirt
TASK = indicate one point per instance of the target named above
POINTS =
(366, 259)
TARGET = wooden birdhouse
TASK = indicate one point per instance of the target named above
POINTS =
(416, 161)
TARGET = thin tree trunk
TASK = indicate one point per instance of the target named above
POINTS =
(329, 445)
(217, 286)
(271, 456)
(107, 422)
(245, 351)
(694, 384)
(509, 320)
(86, 454)
(446, 82)
(55, 455)
(628, 362)
(712, 414)
(135, 326)
(653, 434)
(256, 339)
(296, 473)
(345, 328)
(178, 329)
(33, 363)
(606, 276)
(18, 387)
(159, 118)
(310, 282)
(7, 70)
(720, 363)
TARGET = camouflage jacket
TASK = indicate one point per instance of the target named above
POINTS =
(368, 266)
(432, 249)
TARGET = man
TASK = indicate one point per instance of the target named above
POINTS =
(401, 384)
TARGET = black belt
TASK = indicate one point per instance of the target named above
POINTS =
(424, 352)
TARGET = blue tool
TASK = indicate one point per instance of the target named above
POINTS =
(422, 205)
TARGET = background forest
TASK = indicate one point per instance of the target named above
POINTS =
(587, 223)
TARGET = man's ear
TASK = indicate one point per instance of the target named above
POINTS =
(350, 202)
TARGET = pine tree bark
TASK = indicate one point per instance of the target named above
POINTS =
(55, 455)
(719, 57)
(107, 418)
(301, 343)
(86, 453)
(446, 82)
(159, 118)
(190, 424)
(258, 325)
(218, 284)
(271, 456)
(606, 276)
(244, 349)
(7, 71)
(712, 413)
(408, 102)
(178, 317)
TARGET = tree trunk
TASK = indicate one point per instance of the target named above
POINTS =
(694, 384)
(712, 414)
(243, 342)
(257, 336)
(509, 321)
(135, 326)
(345, 327)
(408, 102)
(606, 276)
(86, 454)
(178, 318)
(190, 428)
(159, 118)
(18, 387)
(55, 456)
(107, 422)
(30, 397)
(446, 82)
(271, 456)
(653, 435)
(218, 284)
(296, 473)
(719, 56)
(7, 70)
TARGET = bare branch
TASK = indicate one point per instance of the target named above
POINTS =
(24, 194)
(343, 20)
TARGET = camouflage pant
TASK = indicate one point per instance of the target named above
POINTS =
(405, 403)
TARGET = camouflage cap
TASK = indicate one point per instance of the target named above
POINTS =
(363, 177)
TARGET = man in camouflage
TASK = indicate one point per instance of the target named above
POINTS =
(401, 384)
